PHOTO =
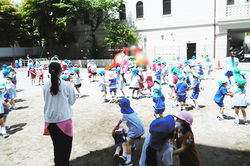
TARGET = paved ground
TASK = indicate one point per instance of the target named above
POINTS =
(219, 143)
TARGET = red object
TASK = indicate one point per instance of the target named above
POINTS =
(12, 65)
(219, 66)
(117, 56)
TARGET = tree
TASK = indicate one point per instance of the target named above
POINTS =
(10, 22)
(95, 13)
(120, 34)
(47, 22)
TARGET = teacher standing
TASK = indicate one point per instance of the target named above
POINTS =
(59, 96)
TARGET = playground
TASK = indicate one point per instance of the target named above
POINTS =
(218, 142)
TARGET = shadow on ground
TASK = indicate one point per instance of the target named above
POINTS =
(15, 128)
(19, 100)
(210, 156)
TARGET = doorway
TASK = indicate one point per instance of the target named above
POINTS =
(191, 50)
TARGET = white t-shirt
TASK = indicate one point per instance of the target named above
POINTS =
(135, 81)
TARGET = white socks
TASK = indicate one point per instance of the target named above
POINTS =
(3, 130)
(128, 159)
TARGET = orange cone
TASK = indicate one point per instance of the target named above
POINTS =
(219, 66)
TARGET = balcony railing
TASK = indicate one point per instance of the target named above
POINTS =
(238, 10)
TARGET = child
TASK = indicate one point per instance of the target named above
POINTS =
(164, 71)
(157, 149)
(112, 87)
(181, 90)
(135, 129)
(64, 65)
(40, 73)
(11, 88)
(141, 81)
(158, 99)
(240, 101)
(196, 90)
(93, 69)
(188, 154)
(119, 134)
(158, 73)
(102, 84)
(120, 81)
(209, 67)
(135, 83)
(3, 110)
(77, 81)
(149, 80)
(32, 72)
(219, 97)
(176, 73)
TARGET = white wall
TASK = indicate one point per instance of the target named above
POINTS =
(183, 13)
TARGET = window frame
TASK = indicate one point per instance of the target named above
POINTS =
(165, 10)
(139, 8)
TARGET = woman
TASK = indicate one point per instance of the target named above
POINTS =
(59, 96)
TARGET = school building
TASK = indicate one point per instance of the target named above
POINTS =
(172, 28)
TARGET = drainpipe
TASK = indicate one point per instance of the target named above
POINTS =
(214, 28)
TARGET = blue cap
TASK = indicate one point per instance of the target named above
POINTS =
(117, 70)
(164, 62)
(187, 61)
(102, 72)
(222, 81)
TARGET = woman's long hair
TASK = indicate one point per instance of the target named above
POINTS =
(54, 70)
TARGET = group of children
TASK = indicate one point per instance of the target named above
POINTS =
(166, 137)
(7, 96)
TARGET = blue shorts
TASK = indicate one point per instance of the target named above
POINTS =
(229, 74)
(119, 144)
(112, 90)
(159, 111)
(221, 105)
(6, 111)
(195, 96)
(77, 85)
(182, 98)
(158, 77)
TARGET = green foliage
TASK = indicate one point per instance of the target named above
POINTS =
(46, 23)
(119, 34)
(10, 22)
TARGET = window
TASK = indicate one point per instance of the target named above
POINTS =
(166, 7)
(230, 2)
(122, 12)
(139, 10)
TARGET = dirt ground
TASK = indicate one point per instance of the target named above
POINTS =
(220, 143)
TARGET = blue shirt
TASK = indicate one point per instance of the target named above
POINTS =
(6, 96)
(112, 83)
(188, 80)
(1, 105)
(220, 94)
(159, 102)
(134, 124)
(181, 88)
(196, 88)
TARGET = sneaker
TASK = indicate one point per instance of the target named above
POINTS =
(7, 127)
(122, 160)
(236, 122)
(246, 122)
(116, 157)
(220, 118)
(197, 107)
(5, 135)
(128, 164)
